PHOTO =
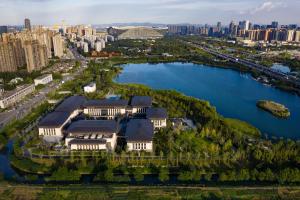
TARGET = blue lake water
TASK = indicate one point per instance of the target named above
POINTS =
(234, 94)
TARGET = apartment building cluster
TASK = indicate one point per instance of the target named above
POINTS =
(87, 39)
(96, 124)
(244, 29)
(30, 48)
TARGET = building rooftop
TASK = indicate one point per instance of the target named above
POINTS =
(93, 126)
(139, 130)
(87, 141)
(7, 94)
(141, 101)
(156, 113)
(107, 103)
(42, 77)
(140, 33)
(91, 85)
(54, 119)
(70, 104)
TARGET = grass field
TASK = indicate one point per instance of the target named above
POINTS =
(145, 192)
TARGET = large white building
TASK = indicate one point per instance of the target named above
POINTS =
(12, 97)
(92, 135)
(51, 127)
(43, 80)
(139, 135)
(100, 134)
(105, 108)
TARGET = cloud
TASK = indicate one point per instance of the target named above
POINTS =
(266, 7)
(163, 11)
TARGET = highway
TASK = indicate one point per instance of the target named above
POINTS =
(252, 65)
(24, 107)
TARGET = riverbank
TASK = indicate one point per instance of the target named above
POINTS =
(274, 108)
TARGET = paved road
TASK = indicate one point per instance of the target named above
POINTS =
(23, 108)
(249, 63)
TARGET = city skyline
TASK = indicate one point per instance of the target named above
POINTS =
(163, 11)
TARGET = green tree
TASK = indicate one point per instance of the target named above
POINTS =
(163, 174)
(138, 174)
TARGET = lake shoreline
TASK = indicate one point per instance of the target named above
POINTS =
(215, 64)
(154, 81)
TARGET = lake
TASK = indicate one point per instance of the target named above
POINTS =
(234, 94)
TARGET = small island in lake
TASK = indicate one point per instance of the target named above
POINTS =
(274, 108)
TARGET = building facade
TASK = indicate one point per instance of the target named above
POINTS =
(58, 45)
(92, 135)
(105, 108)
(36, 55)
(43, 80)
(27, 24)
(158, 117)
(139, 135)
(51, 127)
(140, 104)
(12, 97)
(12, 56)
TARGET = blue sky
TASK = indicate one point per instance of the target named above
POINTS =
(158, 11)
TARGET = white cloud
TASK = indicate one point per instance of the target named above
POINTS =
(267, 7)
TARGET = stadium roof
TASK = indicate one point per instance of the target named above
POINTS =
(139, 130)
(140, 33)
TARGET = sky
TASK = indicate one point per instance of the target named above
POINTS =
(49, 12)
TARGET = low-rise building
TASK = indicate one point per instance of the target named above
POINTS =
(43, 80)
(11, 97)
(158, 117)
(105, 108)
(90, 88)
(139, 135)
(92, 135)
(51, 127)
(140, 104)
(102, 134)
